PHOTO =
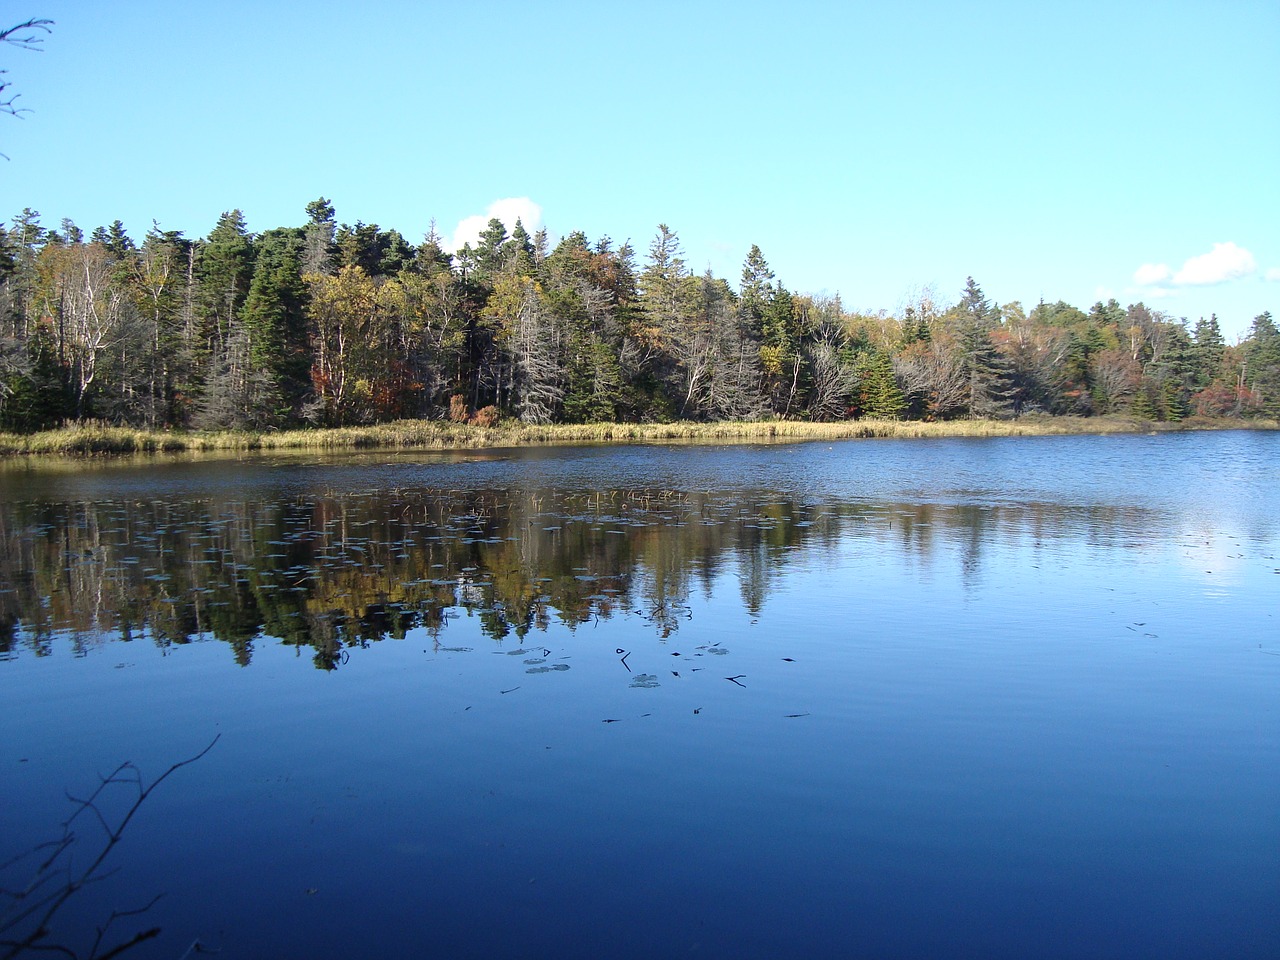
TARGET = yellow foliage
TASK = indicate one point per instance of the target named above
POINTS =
(771, 360)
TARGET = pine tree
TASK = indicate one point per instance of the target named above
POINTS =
(663, 332)
(1173, 402)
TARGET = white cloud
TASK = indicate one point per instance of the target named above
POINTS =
(1224, 262)
(1150, 273)
(1273, 274)
(508, 210)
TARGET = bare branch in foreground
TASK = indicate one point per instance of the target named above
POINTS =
(27, 919)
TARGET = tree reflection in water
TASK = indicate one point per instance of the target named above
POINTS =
(338, 572)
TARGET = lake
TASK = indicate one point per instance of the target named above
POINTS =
(892, 698)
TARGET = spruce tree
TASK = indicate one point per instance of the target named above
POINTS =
(274, 319)
(989, 373)
(1208, 350)
(319, 249)
(37, 396)
(755, 292)
(1262, 363)
(881, 396)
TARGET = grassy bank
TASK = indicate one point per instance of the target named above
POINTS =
(91, 440)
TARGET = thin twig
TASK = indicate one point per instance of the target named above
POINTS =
(41, 911)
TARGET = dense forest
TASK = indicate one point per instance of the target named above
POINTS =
(329, 324)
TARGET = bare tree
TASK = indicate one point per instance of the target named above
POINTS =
(238, 395)
(24, 36)
(832, 380)
(737, 393)
(89, 308)
(27, 918)
(933, 379)
(1117, 376)
(600, 313)
(535, 346)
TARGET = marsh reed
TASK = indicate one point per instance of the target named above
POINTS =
(95, 439)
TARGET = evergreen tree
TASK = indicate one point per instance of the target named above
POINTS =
(666, 334)
(755, 292)
(114, 238)
(224, 267)
(8, 262)
(518, 251)
(320, 252)
(1144, 407)
(395, 253)
(593, 376)
(70, 232)
(25, 239)
(379, 253)
(1262, 364)
(1173, 403)
(1109, 314)
(915, 328)
(430, 255)
(880, 397)
(274, 320)
(35, 394)
(1173, 373)
(988, 371)
(1208, 350)
(160, 283)
(488, 255)
(780, 357)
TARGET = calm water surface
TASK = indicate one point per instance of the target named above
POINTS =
(971, 698)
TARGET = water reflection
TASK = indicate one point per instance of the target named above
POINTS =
(906, 690)
(337, 572)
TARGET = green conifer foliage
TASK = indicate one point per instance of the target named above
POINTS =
(881, 397)
(1262, 364)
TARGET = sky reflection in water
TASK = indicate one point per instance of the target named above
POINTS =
(988, 698)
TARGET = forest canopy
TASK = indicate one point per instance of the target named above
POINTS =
(335, 324)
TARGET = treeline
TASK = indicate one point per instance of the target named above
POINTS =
(333, 325)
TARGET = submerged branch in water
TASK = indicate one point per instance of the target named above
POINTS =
(27, 920)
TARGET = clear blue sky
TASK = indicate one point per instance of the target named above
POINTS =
(1067, 151)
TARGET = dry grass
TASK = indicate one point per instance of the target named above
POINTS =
(91, 440)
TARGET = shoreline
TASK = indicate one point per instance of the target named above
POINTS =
(86, 441)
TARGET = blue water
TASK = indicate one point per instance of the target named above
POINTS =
(971, 698)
